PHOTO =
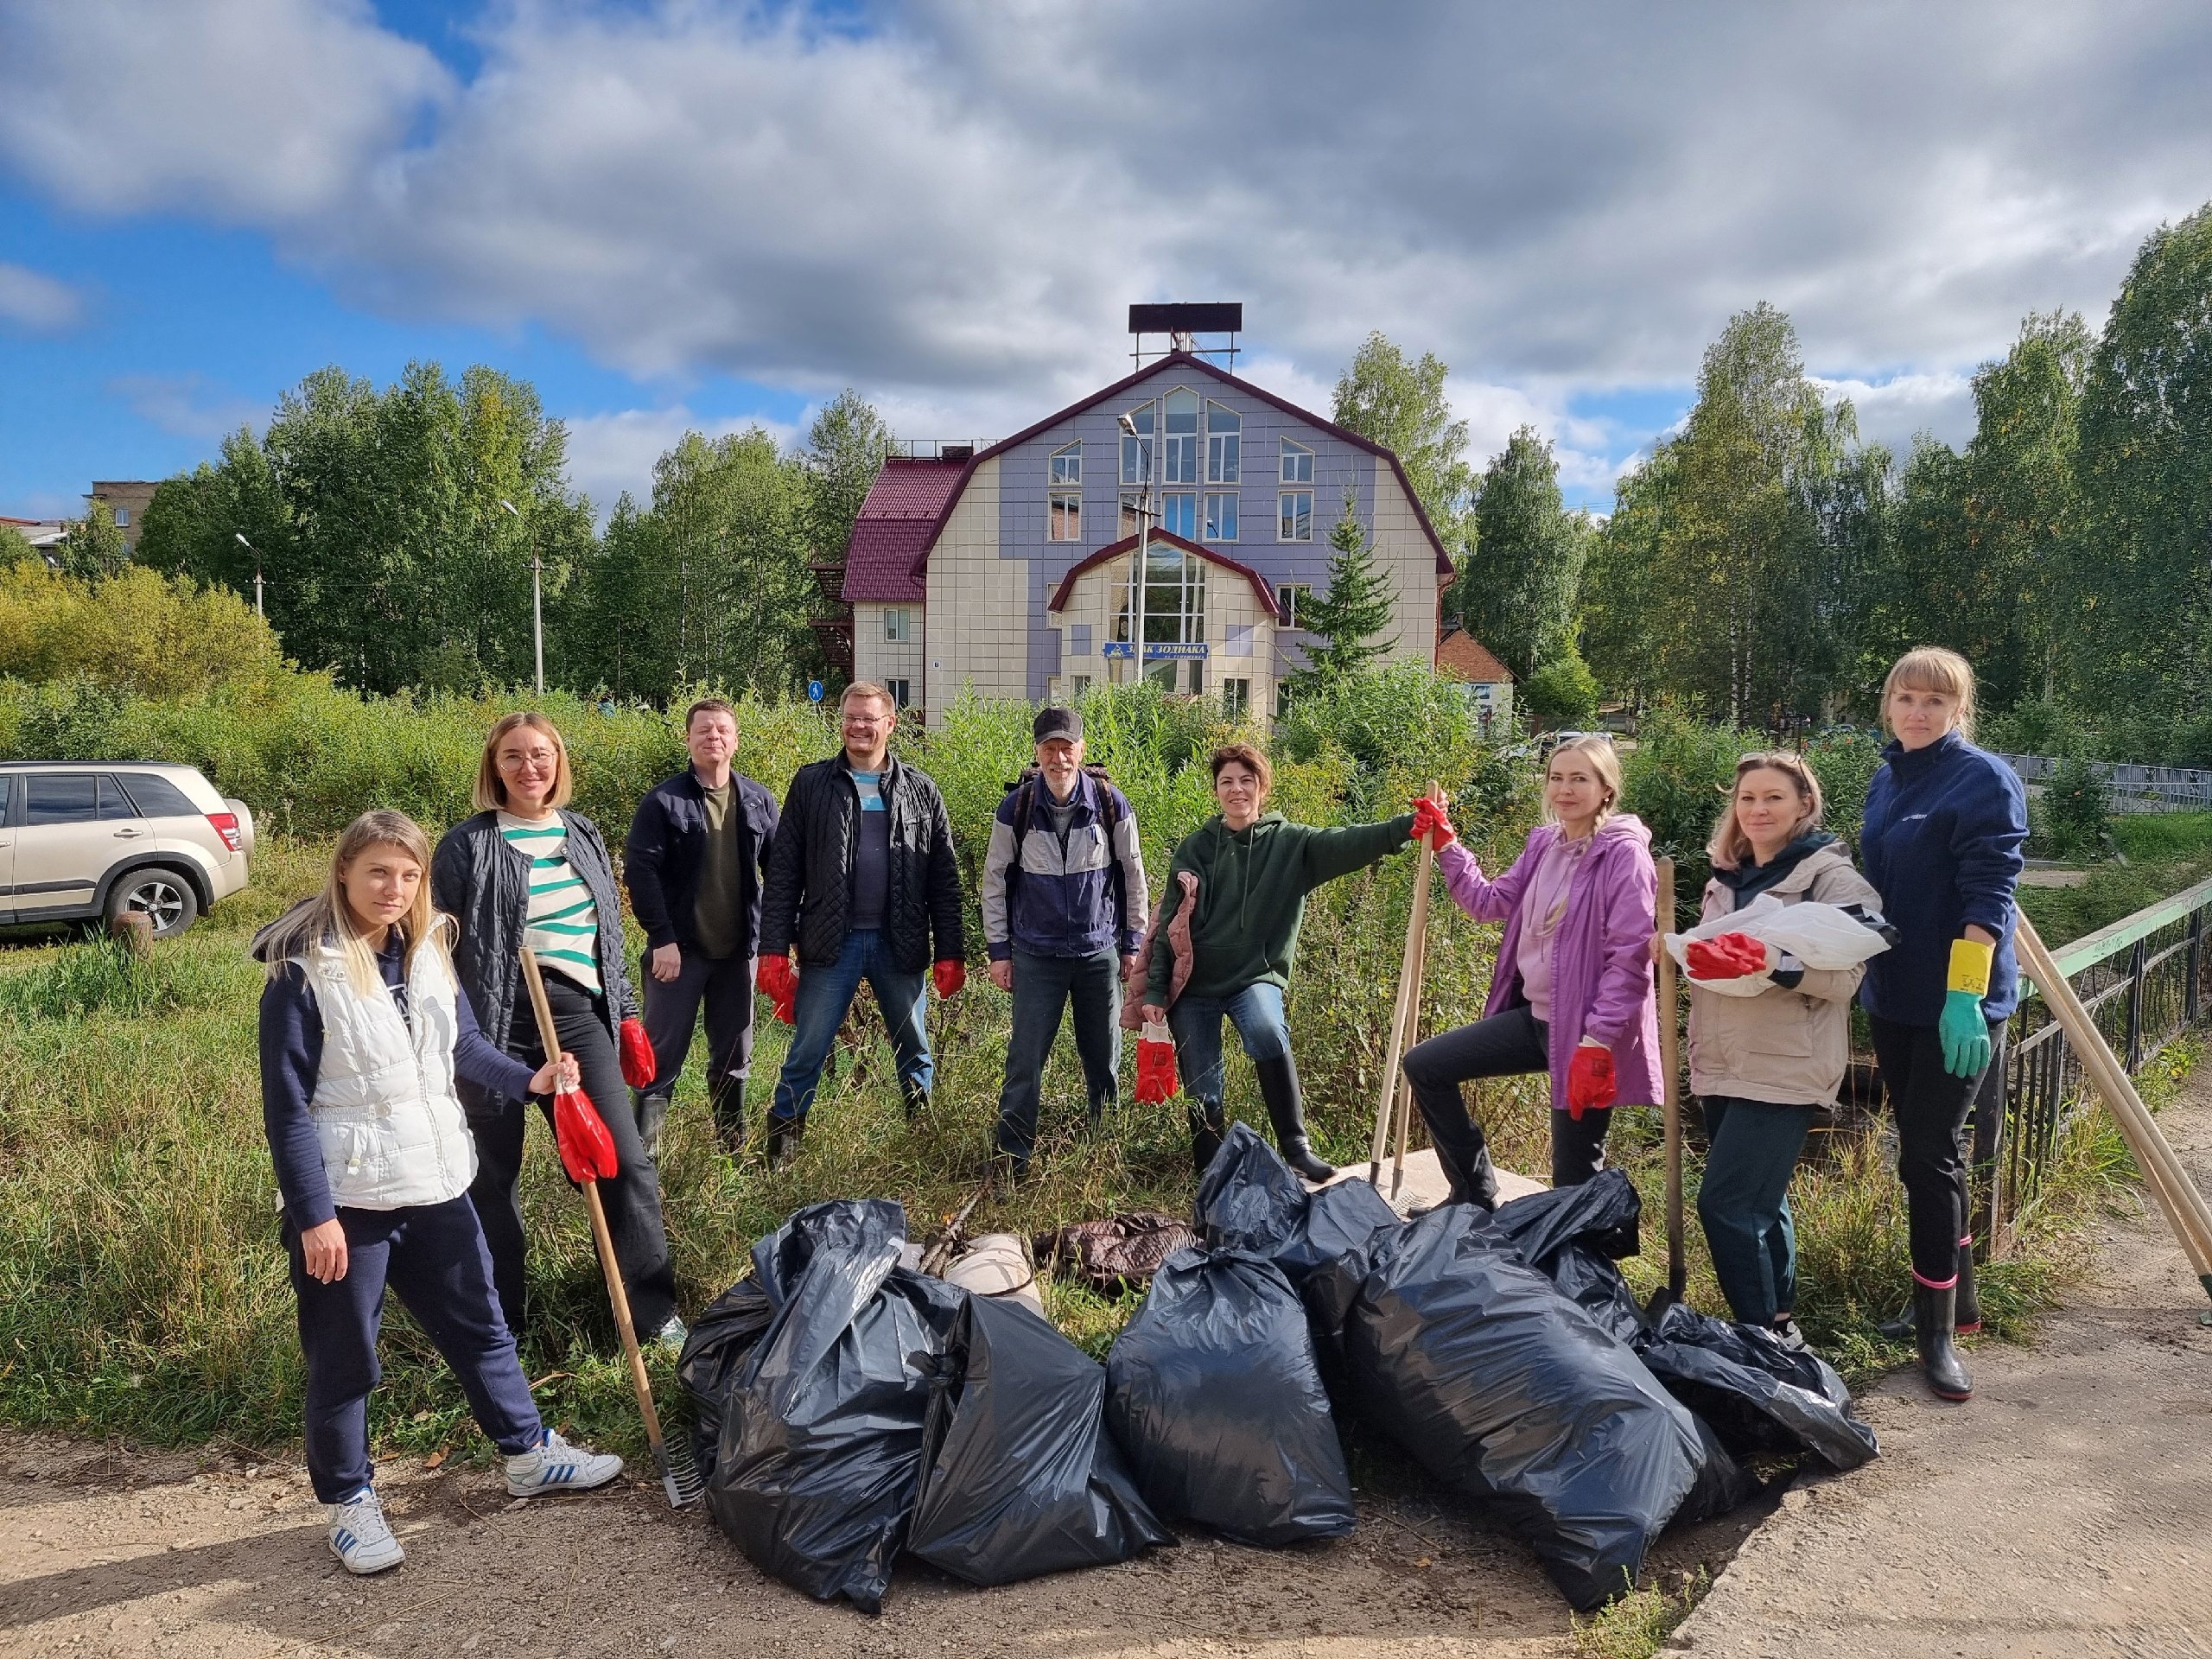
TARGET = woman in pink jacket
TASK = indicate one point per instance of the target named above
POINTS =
(1572, 994)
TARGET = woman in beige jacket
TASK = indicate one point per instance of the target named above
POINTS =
(1765, 1066)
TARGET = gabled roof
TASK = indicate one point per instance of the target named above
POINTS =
(1459, 652)
(1190, 361)
(1062, 593)
(903, 507)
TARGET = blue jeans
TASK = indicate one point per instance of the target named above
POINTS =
(1743, 1201)
(825, 995)
(1255, 1011)
(1042, 986)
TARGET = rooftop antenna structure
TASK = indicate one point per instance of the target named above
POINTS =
(1183, 324)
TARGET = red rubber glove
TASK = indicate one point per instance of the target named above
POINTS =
(1590, 1083)
(1156, 1079)
(1729, 956)
(1428, 815)
(776, 980)
(587, 1149)
(639, 1066)
(951, 975)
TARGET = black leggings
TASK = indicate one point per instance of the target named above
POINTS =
(1504, 1045)
(1931, 1107)
(631, 1197)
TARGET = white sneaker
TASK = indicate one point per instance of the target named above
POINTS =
(359, 1537)
(554, 1466)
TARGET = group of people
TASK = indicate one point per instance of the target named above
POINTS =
(401, 1060)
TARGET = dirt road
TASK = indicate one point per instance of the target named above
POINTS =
(2065, 1511)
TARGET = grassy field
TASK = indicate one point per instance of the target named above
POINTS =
(143, 1289)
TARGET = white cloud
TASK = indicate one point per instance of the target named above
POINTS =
(188, 405)
(38, 302)
(614, 451)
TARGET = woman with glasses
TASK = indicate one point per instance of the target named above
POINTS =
(527, 870)
(1945, 825)
(1572, 994)
(1766, 1063)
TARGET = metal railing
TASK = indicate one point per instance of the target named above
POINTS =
(2129, 787)
(2143, 981)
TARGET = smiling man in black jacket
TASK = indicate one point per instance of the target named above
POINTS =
(698, 849)
(860, 877)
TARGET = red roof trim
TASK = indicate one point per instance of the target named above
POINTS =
(1062, 593)
(1190, 360)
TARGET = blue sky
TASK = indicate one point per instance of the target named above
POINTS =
(696, 213)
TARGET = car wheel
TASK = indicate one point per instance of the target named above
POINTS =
(163, 897)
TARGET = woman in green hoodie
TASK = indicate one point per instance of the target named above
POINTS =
(1254, 871)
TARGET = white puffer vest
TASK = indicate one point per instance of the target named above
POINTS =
(393, 1132)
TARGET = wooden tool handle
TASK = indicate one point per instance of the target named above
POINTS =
(1670, 1092)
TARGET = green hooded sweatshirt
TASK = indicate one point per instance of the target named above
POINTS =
(1252, 889)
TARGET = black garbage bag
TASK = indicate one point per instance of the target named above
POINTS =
(721, 1340)
(821, 1449)
(1758, 1396)
(1479, 1368)
(1573, 1235)
(1250, 1200)
(1019, 1476)
(1213, 1392)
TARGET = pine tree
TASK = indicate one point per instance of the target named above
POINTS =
(1347, 623)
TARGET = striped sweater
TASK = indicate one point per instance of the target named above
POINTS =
(561, 926)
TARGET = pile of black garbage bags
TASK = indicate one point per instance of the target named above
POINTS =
(848, 1407)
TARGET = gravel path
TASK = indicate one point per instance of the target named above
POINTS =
(2065, 1511)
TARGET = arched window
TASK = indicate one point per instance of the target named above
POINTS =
(1174, 599)
(1179, 460)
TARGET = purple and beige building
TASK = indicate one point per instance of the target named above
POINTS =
(1014, 569)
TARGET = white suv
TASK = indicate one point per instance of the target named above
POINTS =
(82, 838)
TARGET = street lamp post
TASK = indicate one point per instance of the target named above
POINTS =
(536, 600)
(256, 551)
(1141, 559)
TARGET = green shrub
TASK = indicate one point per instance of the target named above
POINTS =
(1844, 761)
(1562, 694)
(1677, 781)
(2069, 819)
(2041, 727)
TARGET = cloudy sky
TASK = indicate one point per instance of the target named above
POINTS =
(693, 213)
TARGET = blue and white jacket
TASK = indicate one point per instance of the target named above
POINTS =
(1074, 899)
(1941, 843)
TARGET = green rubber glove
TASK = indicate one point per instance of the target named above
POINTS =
(1964, 1032)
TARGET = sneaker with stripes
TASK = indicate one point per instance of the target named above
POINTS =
(359, 1536)
(554, 1466)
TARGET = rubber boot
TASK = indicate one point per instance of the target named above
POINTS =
(1969, 1306)
(914, 1098)
(1286, 1112)
(784, 1136)
(1207, 1129)
(727, 1104)
(1934, 1312)
(652, 1111)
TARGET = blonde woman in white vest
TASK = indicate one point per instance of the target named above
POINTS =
(363, 1030)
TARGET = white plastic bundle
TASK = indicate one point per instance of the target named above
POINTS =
(1819, 936)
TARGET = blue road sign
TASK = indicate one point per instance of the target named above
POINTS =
(814, 690)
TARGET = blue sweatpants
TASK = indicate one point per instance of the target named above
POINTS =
(433, 1256)
(1743, 1201)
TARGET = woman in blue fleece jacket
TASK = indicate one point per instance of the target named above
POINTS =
(1944, 825)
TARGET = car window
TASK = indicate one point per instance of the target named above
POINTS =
(114, 804)
(155, 796)
(61, 798)
(4, 782)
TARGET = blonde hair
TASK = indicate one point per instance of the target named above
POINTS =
(1730, 846)
(866, 689)
(326, 918)
(1603, 760)
(491, 791)
(1937, 669)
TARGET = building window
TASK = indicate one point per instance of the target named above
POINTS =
(897, 623)
(1067, 464)
(1179, 460)
(1295, 516)
(1224, 445)
(1240, 640)
(1198, 676)
(1221, 515)
(1297, 463)
(1081, 684)
(1174, 600)
(1236, 698)
(1132, 513)
(122, 517)
(1290, 598)
(1136, 452)
(899, 691)
(1179, 514)
(1063, 515)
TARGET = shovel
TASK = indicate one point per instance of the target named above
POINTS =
(1670, 1094)
(679, 1474)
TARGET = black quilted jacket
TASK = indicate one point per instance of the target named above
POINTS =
(483, 883)
(809, 889)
